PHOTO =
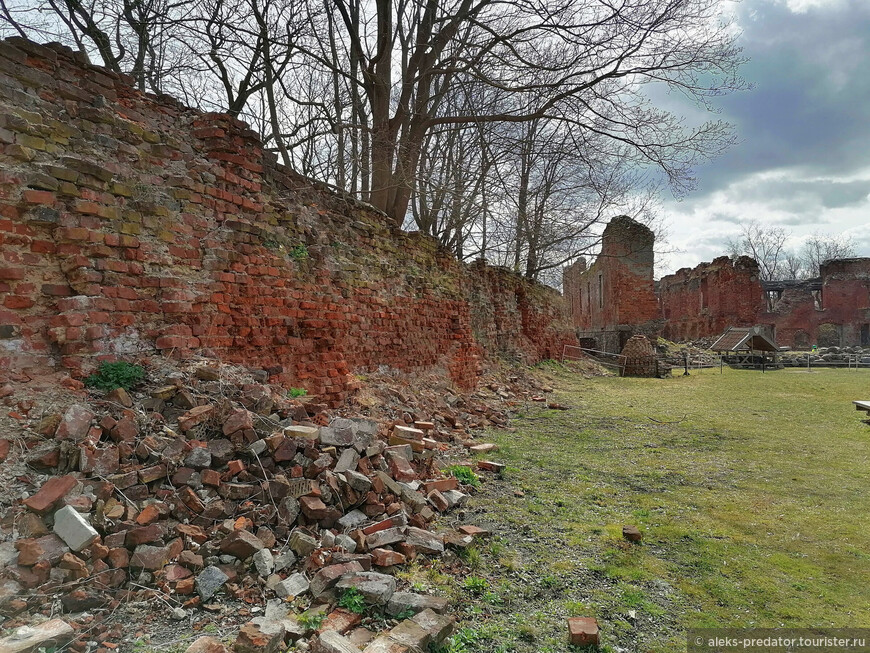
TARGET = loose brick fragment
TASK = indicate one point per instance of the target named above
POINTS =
(632, 533)
(73, 529)
(583, 631)
(387, 558)
(50, 494)
(194, 417)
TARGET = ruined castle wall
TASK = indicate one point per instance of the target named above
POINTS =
(615, 297)
(131, 225)
(838, 315)
(703, 301)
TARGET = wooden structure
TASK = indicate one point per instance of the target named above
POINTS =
(747, 348)
(862, 405)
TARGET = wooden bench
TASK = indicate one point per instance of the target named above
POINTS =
(862, 405)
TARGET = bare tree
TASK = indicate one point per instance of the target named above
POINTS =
(506, 130)
(137, 37)
(765, 244)
(580, 61)
(793, 266)
(821, 247)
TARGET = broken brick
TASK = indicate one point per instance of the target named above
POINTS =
(50, 494)
(583, 631)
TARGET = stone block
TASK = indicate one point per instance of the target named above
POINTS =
(385, 644)
(209, 581)
(632, 533)
(352, 519)
(330, 641)
(150, 558)
(260, 637)
(264, 563)
(241, 544)
(384, 537)
(49, 634)
(293, 585)
(424, 541)
(439, 626)
(74, 529)
(75, 424)
(206, 645)
(303, 432)
(327, 577)
(301, 543)
(347, 461)
(376, 588)
(411, 634)
(403, 601)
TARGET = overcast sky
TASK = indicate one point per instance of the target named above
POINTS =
(803, 157)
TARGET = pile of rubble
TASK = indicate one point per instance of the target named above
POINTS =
(207, 487)
(694, 354)
(828, 356)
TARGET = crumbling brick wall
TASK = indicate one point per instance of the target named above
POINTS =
(130, 224)
(833, 310)
(614, 298)
(703, 301)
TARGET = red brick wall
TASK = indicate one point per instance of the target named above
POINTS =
(618, 288)
(130, 224)
(705, 300)
(837, 319)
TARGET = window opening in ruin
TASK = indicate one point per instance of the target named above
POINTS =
(817, 300)
(600, 291)
(865, 335)
(773, 296)
(588, 297)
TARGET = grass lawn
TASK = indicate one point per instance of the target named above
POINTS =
(751, 490)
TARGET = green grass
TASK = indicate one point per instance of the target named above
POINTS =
(750, 490)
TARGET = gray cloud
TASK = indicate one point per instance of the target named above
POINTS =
(808, 109)
(803, 159)
(719, 216)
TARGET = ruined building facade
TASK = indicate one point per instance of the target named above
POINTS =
(616, 297)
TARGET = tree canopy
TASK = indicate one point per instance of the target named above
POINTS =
(507, 130)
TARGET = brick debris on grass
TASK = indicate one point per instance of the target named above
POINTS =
(197, 493)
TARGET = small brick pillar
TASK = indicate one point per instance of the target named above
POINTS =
(640, 357)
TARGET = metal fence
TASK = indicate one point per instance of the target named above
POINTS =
(617, 361)
(606, 358)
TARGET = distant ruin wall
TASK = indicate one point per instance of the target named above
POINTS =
(131, 225)
(615, 297)
(705, 300)
(832, 311)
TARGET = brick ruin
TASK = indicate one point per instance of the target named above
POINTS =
(830, 311)
(616, 297)
(131, 225)
(707, 299)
